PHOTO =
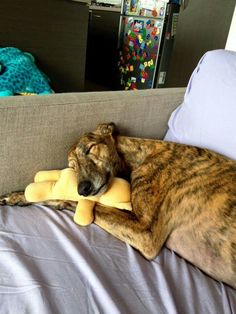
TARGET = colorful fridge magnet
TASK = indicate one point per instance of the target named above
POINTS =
(133, 86)
(154, 13)
(138, 26)
(141, 67)
(144, 33)
(142, 12)
(144, 75)
(133, 6)
(133, 35)
(121, 69)
(154, 31)
(143, 45)
(140, 39)
(148, 23)
(162, 11)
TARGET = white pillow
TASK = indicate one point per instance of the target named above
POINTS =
(207, 117)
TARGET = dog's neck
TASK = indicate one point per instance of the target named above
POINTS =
(135, 150)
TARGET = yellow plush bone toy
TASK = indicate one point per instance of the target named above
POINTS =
(62, 185)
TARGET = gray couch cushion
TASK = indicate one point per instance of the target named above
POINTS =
(37, 131)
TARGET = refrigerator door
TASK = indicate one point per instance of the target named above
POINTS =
(140, 41)
(145, 8)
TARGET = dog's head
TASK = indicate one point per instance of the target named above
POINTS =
(96, 160)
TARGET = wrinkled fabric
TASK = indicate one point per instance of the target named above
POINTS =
(48, 264)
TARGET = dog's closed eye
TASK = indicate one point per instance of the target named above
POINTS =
(88, 149)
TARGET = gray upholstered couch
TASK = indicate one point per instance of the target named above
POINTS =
(37, 131)
(49, 264)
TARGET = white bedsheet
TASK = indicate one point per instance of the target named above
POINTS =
(50, 265)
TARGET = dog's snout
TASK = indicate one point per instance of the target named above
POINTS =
(85, 188)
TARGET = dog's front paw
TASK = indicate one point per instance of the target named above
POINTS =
(14, 198)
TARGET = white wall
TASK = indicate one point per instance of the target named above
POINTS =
(231, 40)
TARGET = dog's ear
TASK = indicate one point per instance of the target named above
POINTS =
(72, 158)
(107, 129)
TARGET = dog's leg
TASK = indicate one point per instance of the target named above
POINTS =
(126, 226)
(18, 199)
(14, 198)
(148, 225)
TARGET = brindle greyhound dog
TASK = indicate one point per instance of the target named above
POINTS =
(182, 196)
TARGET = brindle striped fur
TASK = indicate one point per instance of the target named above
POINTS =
(182, 196)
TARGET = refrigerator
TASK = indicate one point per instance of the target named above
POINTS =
(146, 36)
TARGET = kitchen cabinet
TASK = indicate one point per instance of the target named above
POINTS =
(102, 51)
(202, 26)
(55, 32)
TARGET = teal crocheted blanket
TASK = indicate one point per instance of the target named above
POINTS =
(20, 75)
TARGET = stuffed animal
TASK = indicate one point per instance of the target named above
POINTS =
(20, 75)
(62, 185)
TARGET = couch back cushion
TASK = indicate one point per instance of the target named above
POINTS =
(207, 116)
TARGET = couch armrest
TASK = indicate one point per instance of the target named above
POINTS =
(37, 131)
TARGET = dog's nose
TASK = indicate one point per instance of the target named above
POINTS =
(85, 188)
